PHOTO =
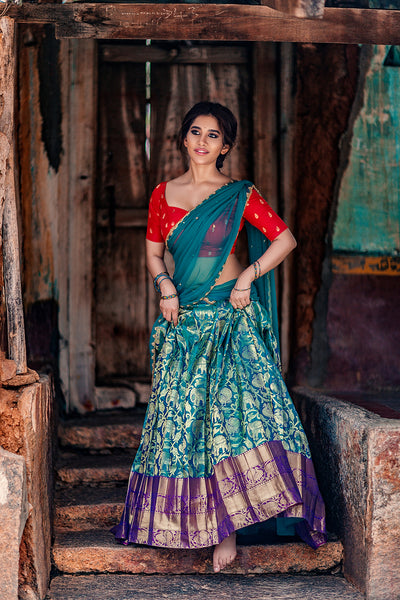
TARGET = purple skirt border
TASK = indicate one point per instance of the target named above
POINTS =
(301, 498)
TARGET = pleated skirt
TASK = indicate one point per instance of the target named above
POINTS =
(222, 446)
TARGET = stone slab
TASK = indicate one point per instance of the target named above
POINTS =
(75, 469)
(8, 368)
(217, 587)
(82, 508)
(383, 532)
(14, 510)
(356, 455)
(97, 551)
(22, 379)
(27, 429)
(102, 432)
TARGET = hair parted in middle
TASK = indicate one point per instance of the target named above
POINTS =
(226, 120)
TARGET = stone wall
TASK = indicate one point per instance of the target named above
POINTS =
(14, 509)
(357, 459)
(27, 429)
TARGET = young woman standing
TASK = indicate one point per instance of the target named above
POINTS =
(222, 445)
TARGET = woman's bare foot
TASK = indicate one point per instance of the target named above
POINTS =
(224, 553)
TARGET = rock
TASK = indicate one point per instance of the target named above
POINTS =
(143, 391)
(27, 429)
(97, 551)
(356, 455)
(75, 469)
(83, 508)
(8, 368)
(100, 432)
(114, 397)
(22, 379)
(14, 510)
(217, 587)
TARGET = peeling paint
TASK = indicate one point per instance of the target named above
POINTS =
(368, 216)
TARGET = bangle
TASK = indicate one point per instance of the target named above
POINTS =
(242, 289)
(159, 282)
(169, 297)
(156, 282)
(257, 269)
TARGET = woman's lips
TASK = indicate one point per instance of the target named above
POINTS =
(201, 151)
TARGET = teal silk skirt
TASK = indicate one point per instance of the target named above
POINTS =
(222, 446)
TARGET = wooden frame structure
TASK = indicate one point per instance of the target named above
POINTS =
(274, 20)
(223, 22)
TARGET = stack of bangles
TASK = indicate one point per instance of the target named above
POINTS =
(156, 282)
(257, 269)
(257, 274)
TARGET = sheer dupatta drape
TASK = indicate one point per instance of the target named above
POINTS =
(203, 239)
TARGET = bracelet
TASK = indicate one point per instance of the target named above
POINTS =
(169, 297)
(242, 289)
(257, 269)
(156, 281)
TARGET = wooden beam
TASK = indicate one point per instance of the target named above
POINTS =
(303, 9)
(212, 22)
(176, 55)
(8, 195)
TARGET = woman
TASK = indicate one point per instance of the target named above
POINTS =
(222, 445)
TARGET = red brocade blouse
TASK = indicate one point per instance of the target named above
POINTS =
(162, 216)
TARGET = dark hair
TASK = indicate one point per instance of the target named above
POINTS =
(226, 121)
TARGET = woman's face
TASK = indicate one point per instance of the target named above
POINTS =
(205, 141)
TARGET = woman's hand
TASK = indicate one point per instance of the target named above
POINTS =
(170, 307)
(240, 295)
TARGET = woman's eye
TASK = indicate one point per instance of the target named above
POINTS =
(213, 135)
(194, 131)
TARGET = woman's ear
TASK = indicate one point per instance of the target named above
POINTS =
(225, 149)
(185, 142)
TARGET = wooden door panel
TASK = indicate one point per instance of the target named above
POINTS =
(126, 304)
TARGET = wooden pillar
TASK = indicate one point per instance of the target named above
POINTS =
(81, 149)
(8, 195)
(287, 193)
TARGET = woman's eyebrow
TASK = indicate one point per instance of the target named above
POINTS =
(210, 130)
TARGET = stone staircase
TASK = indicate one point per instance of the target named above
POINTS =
(96, 454)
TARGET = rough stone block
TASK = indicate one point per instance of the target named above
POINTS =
(8, 368)
(26, 428)
(217, 587)
(383, 526)
(97, 551)
(103, 432)
(14, 510)
(356, 454)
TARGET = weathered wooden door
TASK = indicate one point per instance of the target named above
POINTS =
(144, 91)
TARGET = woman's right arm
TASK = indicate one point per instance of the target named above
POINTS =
(155, 264)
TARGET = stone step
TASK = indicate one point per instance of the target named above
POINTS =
(96, 551)
(77, 469)
(103, 432)
(83, 508)
(217, 587)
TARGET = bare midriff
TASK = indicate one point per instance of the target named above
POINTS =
(232, 269)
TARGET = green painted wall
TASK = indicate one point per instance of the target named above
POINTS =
(368, 217)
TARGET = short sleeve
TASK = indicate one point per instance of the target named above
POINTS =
(259, 213)
(154, 219)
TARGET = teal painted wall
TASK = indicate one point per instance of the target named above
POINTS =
(368, 216)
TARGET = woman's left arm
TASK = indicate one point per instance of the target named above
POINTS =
(280, 247)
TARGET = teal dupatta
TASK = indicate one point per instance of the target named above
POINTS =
(202, 240)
